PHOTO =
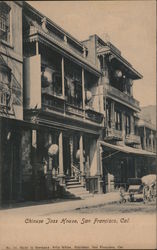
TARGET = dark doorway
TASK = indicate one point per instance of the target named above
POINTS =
(66, 156)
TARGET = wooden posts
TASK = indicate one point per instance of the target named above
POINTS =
(83, 89)
(61, 172)
(62, 69)
(81, 154)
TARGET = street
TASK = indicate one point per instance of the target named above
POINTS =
(67, 224)
(121, 208)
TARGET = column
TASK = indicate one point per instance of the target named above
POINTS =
(123, 126)
(81, 158)
(144, 138)
(112, 115)
(83, 89)
(50, 159)
(63, 87)
(37, 47)
(61, 172)
(100, 167)
(71, 154)
(34, 160)
(81, 154)
(151, 136)
(132, 130)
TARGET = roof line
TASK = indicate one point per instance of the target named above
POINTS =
(27, 5)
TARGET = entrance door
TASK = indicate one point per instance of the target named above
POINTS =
(66, 156)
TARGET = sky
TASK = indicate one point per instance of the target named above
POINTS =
(129, 25)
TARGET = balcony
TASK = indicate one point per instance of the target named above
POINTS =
(122, 97)
(113, 134)
(132, 139)
(54, 103)
(93, 115)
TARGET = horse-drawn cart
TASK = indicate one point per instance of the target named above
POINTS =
(139, 189)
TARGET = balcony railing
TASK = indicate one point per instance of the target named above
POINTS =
(132, 139)
(113, 134)
(93, 115)
(121, 96)
(59, 104)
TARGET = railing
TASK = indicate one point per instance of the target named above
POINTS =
(52, 102)
(74, 110)
(113, 134)
(93, 115)
(132, 139)
(113, 92)
(59, 104)
(76, 172)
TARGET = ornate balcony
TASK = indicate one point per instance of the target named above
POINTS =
(132, 139)
(54, 103)
(93, 115)
(122, 97)
(113, 134)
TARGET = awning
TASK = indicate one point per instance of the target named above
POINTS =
(128, 150)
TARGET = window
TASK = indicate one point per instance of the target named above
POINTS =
(127, 125)
(4, 22)
(118, 120)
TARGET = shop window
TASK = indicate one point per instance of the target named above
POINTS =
(127, 125)
(118, 120)
(4, 22)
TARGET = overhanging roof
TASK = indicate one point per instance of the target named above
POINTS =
(122, 61)
(128, 150)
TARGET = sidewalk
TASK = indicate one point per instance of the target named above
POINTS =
(40, 209)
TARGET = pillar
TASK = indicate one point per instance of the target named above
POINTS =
(151, 136)
(81, 154)
(132, 130)
(81, 158)
(50, 159)
(123, 126)
(112, 115)
(71, 152)
(83, 89)
(34, 160)
(63, 87)
(37, 47)
(144, 138)
(99, 167)
(61, 172)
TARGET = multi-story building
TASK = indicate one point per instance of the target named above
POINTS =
(121, 145)
(11, 96)
(68, 118)
(61, 96)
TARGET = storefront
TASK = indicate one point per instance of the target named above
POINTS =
(122, 162)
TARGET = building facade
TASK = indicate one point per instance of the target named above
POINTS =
(69, 120)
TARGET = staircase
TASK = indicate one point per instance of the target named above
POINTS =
(76, 189)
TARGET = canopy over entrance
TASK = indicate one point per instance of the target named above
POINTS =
(126, 149)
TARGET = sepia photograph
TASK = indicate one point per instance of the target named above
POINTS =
(78, 136)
